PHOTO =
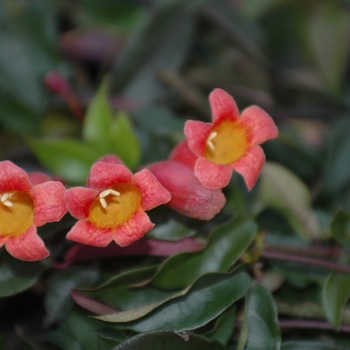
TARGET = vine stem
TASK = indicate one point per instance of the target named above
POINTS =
(311, 324)
(330, 265)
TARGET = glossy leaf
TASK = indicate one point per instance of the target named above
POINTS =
(329, 34)
(58, 300)
(224, 327)
(121, 292)
(98, 121)
(16, 275)
(171, 231)
(340, 227)
(309, 345)
(281, 190)
(124, 142)
(169, 340)
(260, 328)
(227, 244)
(79, 332)
(336, 165)
(161, 41)
(209, 296)
(335, 294)
(72, 159)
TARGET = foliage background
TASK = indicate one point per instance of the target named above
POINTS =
(161, 59)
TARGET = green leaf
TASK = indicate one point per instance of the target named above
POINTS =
(335, 294)
(260, 329)
(329, 34)
(16, 275)
(79, 332)
(336, 164)
(309, 345)
(340, 227)
(98, 121)
(168, 340)
(124, 142)
(171, 231)
(283, 191)
(120, 293)
(224, 327)
(160, 42)
(209, 296)
(69, 159)
(227, 244)
(58, 300)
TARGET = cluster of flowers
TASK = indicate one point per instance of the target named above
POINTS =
(112, 205)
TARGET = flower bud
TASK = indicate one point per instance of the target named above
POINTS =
(188, 196)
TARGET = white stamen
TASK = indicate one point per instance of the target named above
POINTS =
(4, 197)
(103, 202)
(104, 193)
(210, 140)
(212, 135)
(114, 192)
(211, 145)
(7, 203)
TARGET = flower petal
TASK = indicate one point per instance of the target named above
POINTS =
(223, 106)
(27, 246)
(133, 229)
(103, 175)
(196, 135)
(79, 200)
(250, 165)
(152, 192)
(182, 154)
(86, 233)
(37, 178)
(261, 125)
(111, 159)
(211, 175)
(49, 202)
(13, 178)
(2, 240)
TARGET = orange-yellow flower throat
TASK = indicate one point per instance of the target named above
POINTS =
(115, 205)
(16, 213)
(226, 143)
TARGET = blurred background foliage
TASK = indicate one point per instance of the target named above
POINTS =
(138, 69)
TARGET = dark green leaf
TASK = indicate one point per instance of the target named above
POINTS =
(335, 294)
(224, 327)
(209, 296)
(98, 121)
(120, 294)
(161, 42)
(171, 231)
(79, 332)
(124, 142)
(168, 340)
(336, 165)
(340, 227)
(58, 300)
(260, 325)
(283, 191)
(16, 275)
(227, 244)
(329, 33)
(69, 159)
(309, 345)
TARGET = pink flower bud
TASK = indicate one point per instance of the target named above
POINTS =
(188, 196)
